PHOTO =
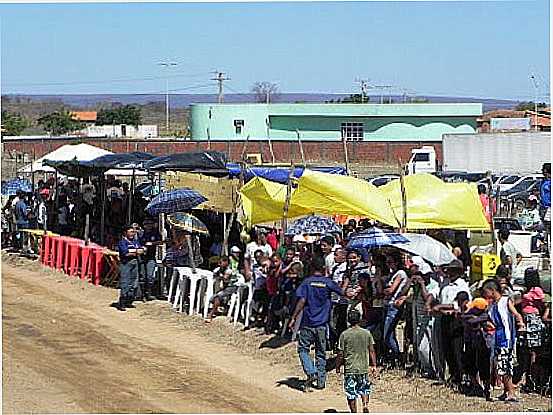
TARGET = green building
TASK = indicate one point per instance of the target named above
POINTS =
(331, 122)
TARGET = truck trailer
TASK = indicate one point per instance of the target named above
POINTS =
(500, 153)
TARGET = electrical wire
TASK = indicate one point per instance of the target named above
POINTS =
(110, 81)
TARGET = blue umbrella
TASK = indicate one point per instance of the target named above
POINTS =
(313, 225)
(175, 201)
(375, 238)
(11, 187)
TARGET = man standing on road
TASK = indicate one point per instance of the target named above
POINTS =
(354, 348)
(314, 298)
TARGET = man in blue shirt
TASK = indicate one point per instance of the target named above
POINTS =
(21, 218)
(314, 299)
(129, 251)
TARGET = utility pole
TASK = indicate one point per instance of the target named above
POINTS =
(364, 85)
(535, 84)
(220, 78)
(167, 64)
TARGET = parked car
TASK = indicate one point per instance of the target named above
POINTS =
(382, 180)
(508, 182)
(517, 197)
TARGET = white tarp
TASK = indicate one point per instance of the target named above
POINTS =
(81, 152)
(67, 152)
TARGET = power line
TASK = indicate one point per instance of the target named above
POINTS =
(108, 81)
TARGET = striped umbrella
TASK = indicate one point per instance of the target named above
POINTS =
(175, 201)
(11, 187)
(187, 222)
(375, 238)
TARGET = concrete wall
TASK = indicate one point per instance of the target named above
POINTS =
(395, 122)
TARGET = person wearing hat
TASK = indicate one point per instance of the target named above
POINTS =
(451, 331)
(129, 249)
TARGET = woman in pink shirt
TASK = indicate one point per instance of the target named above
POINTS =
(532, 306)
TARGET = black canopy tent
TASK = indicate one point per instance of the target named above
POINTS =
(211, 163)
(98, 167)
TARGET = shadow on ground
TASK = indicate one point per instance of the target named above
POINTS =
(293, 383)
(274, 342)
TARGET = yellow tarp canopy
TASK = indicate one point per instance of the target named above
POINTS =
(431, 203)
(331, 194)
(434, 204)
(220, 192)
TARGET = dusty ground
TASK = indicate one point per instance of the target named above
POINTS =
(66, 351)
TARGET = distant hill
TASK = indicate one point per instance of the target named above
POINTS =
(184, 100)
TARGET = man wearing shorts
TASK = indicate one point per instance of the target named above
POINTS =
(230, 280)
(355, 346)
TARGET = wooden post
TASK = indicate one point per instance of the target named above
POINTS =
(287, 203)
(301, 148)
(270, 142)
(56, 201)
(403, 197)
(191, 252)
(243, 155)
(87, 230)
(131, 193)
(346, 158)
(224, 248)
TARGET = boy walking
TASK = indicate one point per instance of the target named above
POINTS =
(502, 314)
(354, 348)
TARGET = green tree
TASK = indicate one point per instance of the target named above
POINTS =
(420, 101)
(59, 122)
(355, 99)
(125, 114)
(13, 123)
(529, 106)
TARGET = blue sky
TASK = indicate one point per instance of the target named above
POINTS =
(478, 49)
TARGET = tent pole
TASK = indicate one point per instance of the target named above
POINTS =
(131, 193)
(403, 198)
(224, 250)
(103, 214)
(57, 199)
(301, 148)
(346, 157)
(287, 203)
(87, 229)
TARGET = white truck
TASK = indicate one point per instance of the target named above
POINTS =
(499, 153)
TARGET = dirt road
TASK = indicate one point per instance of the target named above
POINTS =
(65, 351)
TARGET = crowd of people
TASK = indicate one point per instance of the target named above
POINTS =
(422, 318)
(377, 307)
(63, 209)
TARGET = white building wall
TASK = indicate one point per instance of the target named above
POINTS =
(116, 131)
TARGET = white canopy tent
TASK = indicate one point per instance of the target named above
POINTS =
(81, 152)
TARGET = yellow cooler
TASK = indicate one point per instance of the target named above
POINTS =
(483, 266)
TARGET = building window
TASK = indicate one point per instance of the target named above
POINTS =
(238, 125)
(352, 131)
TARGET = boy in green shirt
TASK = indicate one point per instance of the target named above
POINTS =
(354, 348)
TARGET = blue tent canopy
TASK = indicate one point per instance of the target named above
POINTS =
(278, 174)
